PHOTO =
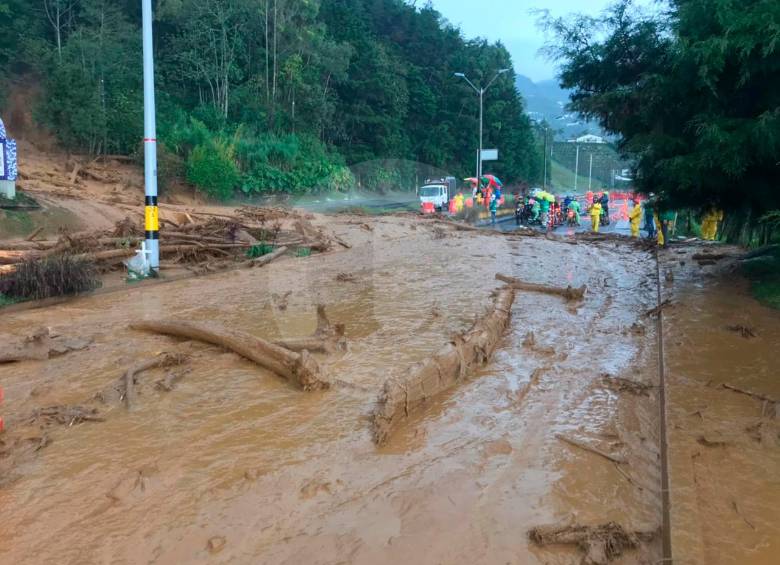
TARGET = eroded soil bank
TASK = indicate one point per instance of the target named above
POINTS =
(235, 465)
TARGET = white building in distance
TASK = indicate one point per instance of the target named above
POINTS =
(588, 139)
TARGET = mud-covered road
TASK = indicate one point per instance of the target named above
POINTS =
(235, 466)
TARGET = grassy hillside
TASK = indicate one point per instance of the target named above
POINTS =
(563, 179)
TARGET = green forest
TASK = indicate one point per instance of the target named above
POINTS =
(258, 96)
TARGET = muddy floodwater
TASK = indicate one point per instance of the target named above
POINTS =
(234, 465)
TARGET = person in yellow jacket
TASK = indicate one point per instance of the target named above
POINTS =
(458, 202)
(635, 217)
(709, 224)
(595, 216)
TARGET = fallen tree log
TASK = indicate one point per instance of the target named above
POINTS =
(403, 395)
(299, 368)
(601, 544)
(328, 338)
(13, 257)
(569, 293)
(34, 234)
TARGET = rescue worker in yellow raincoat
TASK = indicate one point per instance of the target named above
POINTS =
(595, 216)
(709, 224)
(635, 217)
(459, 203)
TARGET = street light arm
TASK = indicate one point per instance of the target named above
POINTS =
(498, 74)
(471, 84)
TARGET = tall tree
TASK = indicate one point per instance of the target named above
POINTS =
(693, 94)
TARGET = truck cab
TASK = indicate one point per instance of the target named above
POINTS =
(438, 192)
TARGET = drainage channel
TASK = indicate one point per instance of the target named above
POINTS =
(665, 494)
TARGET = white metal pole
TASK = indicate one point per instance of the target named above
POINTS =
(481, 97)
(544, 180)
(590, 174)
(576, 168)
(152, 222)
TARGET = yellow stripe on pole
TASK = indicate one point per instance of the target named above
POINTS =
(152, 220)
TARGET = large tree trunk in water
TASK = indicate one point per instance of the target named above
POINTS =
(299, 368)
(569, 293)
(404, 395)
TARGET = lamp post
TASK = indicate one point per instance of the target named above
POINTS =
(481, 93)
(151, 213)
(590, 174)
(576, 168)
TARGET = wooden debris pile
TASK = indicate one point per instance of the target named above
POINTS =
(600, 544)
(204, 240)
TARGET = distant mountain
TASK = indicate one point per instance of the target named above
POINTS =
(545, 100)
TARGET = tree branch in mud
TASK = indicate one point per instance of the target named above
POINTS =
(299, 368)
(658, 309)
(328, 338)
(586, 447)
(402, 396)
(755, 395)
(569, 293)
(127, 382)
(601, 544)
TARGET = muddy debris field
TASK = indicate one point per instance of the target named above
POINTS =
(409, 392)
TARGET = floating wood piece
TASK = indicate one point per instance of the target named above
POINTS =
(403, 395)
(569, 293)
(328, 338)
(128, 380)
(299, 368)
(627, 385)
(63, 415)
(745, 331)
(755, 395)
(586, 447)
(658, 309)
(34, 234)
(601, 544)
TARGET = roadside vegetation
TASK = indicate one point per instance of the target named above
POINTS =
(258, 96)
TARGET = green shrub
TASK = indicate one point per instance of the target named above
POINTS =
(170, 168)
(212, 169)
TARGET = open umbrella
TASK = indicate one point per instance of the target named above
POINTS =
(492, 181)
(471, 180)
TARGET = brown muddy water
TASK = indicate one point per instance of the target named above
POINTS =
(725, 446)
(273, 475)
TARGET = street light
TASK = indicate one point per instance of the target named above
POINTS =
(151, 213)
(481, 93)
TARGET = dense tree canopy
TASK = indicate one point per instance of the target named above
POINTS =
(694, 95)
(274, 94)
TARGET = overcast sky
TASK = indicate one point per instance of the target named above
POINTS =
(512, 22)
